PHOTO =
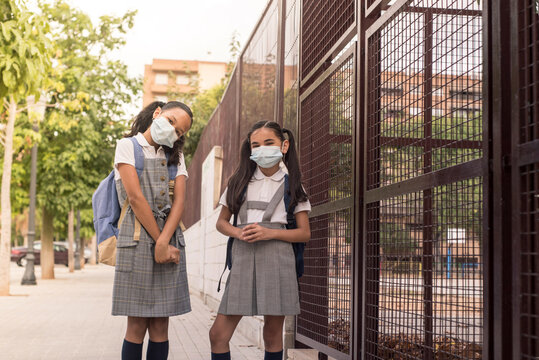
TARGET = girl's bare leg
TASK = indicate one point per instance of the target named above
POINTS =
(158, 329)
(273, 333)
(136, 329)
(221, 332)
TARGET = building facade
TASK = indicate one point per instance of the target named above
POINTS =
(164, 79)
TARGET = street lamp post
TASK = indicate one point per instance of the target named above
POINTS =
(29, 277)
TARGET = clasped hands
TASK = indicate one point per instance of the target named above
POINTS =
(166, 253)
(254, 232)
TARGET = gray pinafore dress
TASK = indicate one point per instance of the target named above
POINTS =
(142, 287)
(262, 280)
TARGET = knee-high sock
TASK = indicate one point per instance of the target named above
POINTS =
(273, 355)
(221, 356)
(157, 350)
(131, 351)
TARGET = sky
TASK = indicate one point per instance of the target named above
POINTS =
(187, 30)
(168, 29)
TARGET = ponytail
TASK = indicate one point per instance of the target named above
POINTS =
(291, 160)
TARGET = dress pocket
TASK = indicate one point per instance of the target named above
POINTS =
(125, 255)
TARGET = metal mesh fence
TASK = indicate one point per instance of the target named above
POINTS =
(291, 65)
(324, 22)
(327, 118)
(423, 270)
(529, 69)
(528, 63)
(228, 130)
(529, 269)
(221, 130)
(259, 65)
(425, 92)
(424, 274)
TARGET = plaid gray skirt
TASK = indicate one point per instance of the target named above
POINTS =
(142, 287)
(262, 280)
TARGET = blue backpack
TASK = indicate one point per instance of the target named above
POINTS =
(108, 215)
(299, 248)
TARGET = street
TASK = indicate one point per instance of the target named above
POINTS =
(69, 318)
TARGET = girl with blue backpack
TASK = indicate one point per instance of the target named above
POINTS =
(150, 281)
(262, 260)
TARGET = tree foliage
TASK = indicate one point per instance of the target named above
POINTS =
(89, 92)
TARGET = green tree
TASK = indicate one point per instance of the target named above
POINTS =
(24, 63)
(79, 134)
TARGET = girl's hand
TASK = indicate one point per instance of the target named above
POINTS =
(255, 232)
(166, 253)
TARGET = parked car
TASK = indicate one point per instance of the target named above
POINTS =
(18, 254)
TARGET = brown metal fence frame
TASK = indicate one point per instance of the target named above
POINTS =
(503, 162)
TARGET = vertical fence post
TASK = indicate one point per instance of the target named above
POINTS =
(427, 193)
(279, 74)
(500, 235)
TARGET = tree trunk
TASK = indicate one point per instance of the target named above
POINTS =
(70, 235)
(82, 243)
(47, 251)
(93, 255)
(5, 201)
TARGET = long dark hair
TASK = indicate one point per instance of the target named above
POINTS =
(144, 119)
(243, 174)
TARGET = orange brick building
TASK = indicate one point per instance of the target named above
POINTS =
(165, 77)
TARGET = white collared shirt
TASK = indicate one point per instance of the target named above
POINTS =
(262, 188)
(125, 154)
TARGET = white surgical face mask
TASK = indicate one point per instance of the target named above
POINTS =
(162, 132)
(266, 156)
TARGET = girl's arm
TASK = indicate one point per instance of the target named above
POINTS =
(136, 199)
(162, 247)
(255, 232)
(224, 226)
(176, 212)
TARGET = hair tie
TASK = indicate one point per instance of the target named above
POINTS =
(285, 133)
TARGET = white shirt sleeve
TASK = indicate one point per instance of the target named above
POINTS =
(304, 205)
(222, 200)
(182, 169)
(124, 154)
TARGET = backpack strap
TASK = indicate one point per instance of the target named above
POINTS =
(298, 247)
(139, 167)
(228, 260)
(139, 156)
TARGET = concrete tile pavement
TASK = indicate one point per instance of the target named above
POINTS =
(69, 318)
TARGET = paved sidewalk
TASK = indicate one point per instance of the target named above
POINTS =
(69, 318)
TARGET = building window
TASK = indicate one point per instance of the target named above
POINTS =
(161, 98)
(414, 111)
(416, 89)
(182, 79)
(438, 91)
(393, 113)
(465, 94)
(391, 91)
(161, 79)
(437, 112)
